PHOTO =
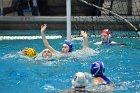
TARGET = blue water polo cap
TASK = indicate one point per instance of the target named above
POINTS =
(69, 44)
(97, 68)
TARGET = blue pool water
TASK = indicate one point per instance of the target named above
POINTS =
(22, 75)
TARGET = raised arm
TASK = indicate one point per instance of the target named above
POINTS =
(85, 39)
(45, 41)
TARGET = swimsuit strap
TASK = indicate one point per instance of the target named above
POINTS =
(106, 42)
(107, 81)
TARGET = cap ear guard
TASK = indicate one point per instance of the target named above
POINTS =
(109, 36)
(97, 68)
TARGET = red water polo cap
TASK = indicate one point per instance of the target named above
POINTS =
(106, 31)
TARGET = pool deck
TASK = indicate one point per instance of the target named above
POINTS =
(58, 22)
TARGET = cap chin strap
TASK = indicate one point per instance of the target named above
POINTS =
(109, 36)
(107, 81)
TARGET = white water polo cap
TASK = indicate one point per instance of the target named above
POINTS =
(80, 80)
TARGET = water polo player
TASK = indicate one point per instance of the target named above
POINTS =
(100, 81)
(97, 71)
(105, 38)
(67, 47)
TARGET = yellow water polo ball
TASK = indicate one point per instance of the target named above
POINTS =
(30, 52)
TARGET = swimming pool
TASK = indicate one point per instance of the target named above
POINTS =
(22, 75)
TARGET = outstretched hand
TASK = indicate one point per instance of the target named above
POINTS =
(24, 51)
(84, 34)
(43, 27)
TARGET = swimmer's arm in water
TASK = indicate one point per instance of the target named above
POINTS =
(113, 42)
(45, 41)
(85, 39)
(98, 43)
(109, 88)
